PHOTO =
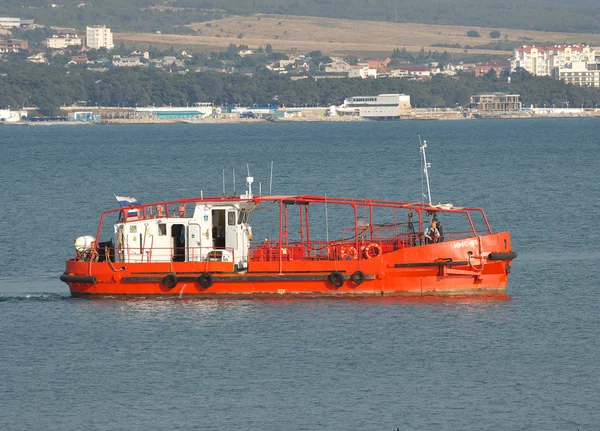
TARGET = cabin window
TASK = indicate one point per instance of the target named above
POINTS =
(162, 229)
(231, 218)
(243, 217)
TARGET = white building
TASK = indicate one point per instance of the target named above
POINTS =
(381, 107)
(579, 73)
(14, 22)
(127, 62)
(63, 41)
(11, 116)
(99, 36)
(10, 22)
(548, 61)
(363, 72)
(337, 65)
(40, 57)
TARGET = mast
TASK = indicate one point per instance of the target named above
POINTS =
(425, 170)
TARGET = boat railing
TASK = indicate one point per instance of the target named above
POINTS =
(160, 254)
(342, 249)
(154, 211)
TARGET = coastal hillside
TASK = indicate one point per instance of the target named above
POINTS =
(173, 16)
(339, 36)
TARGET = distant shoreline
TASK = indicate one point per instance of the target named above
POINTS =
(422, 116)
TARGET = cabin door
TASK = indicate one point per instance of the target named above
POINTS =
(218, 228)
(194, 241)
(231, 240)
(178, 242)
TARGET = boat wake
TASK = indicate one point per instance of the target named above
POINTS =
(35, 297)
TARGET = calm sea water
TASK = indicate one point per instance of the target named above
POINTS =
(528, 362)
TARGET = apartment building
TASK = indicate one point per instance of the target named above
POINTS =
(575, 64)
(99, 36)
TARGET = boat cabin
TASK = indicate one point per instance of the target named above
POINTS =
(211, 230)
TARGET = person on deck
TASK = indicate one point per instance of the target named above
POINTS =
(431, 234)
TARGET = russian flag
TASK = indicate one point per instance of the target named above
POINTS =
(126, 201)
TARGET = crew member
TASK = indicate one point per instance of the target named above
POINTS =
(431, 234)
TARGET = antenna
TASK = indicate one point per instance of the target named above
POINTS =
(326, 221)
(259, 188)
(271, 182)
(425, 167)
(224, 194)
(233, 181)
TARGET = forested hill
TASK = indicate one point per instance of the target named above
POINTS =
(48, 87)
(172, 15)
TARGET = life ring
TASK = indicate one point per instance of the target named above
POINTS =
(205, 280)
(357, 277)
(336, 278)
(170, 281)
(349, 253)
(372, 250)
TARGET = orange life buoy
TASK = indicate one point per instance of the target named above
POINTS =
(349, 253)
(372, 250)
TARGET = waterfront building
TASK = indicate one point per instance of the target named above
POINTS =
(381, 107)
(83, 116)
(199, 110)
(99, 36)
(9, 116)
(496, 102)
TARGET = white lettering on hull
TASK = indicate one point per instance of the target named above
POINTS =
(466, 243)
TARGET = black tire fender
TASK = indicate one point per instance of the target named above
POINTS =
(507, 255)
(336, 278)
(357, 277)
(170, 281)
(206, 280)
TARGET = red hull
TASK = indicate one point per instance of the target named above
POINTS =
(462, 267)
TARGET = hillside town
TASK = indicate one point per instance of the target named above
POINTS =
(96, 51)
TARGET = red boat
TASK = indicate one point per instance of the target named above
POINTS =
(319, 246)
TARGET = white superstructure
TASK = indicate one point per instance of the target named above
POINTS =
(215, 231)
(99, 36)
